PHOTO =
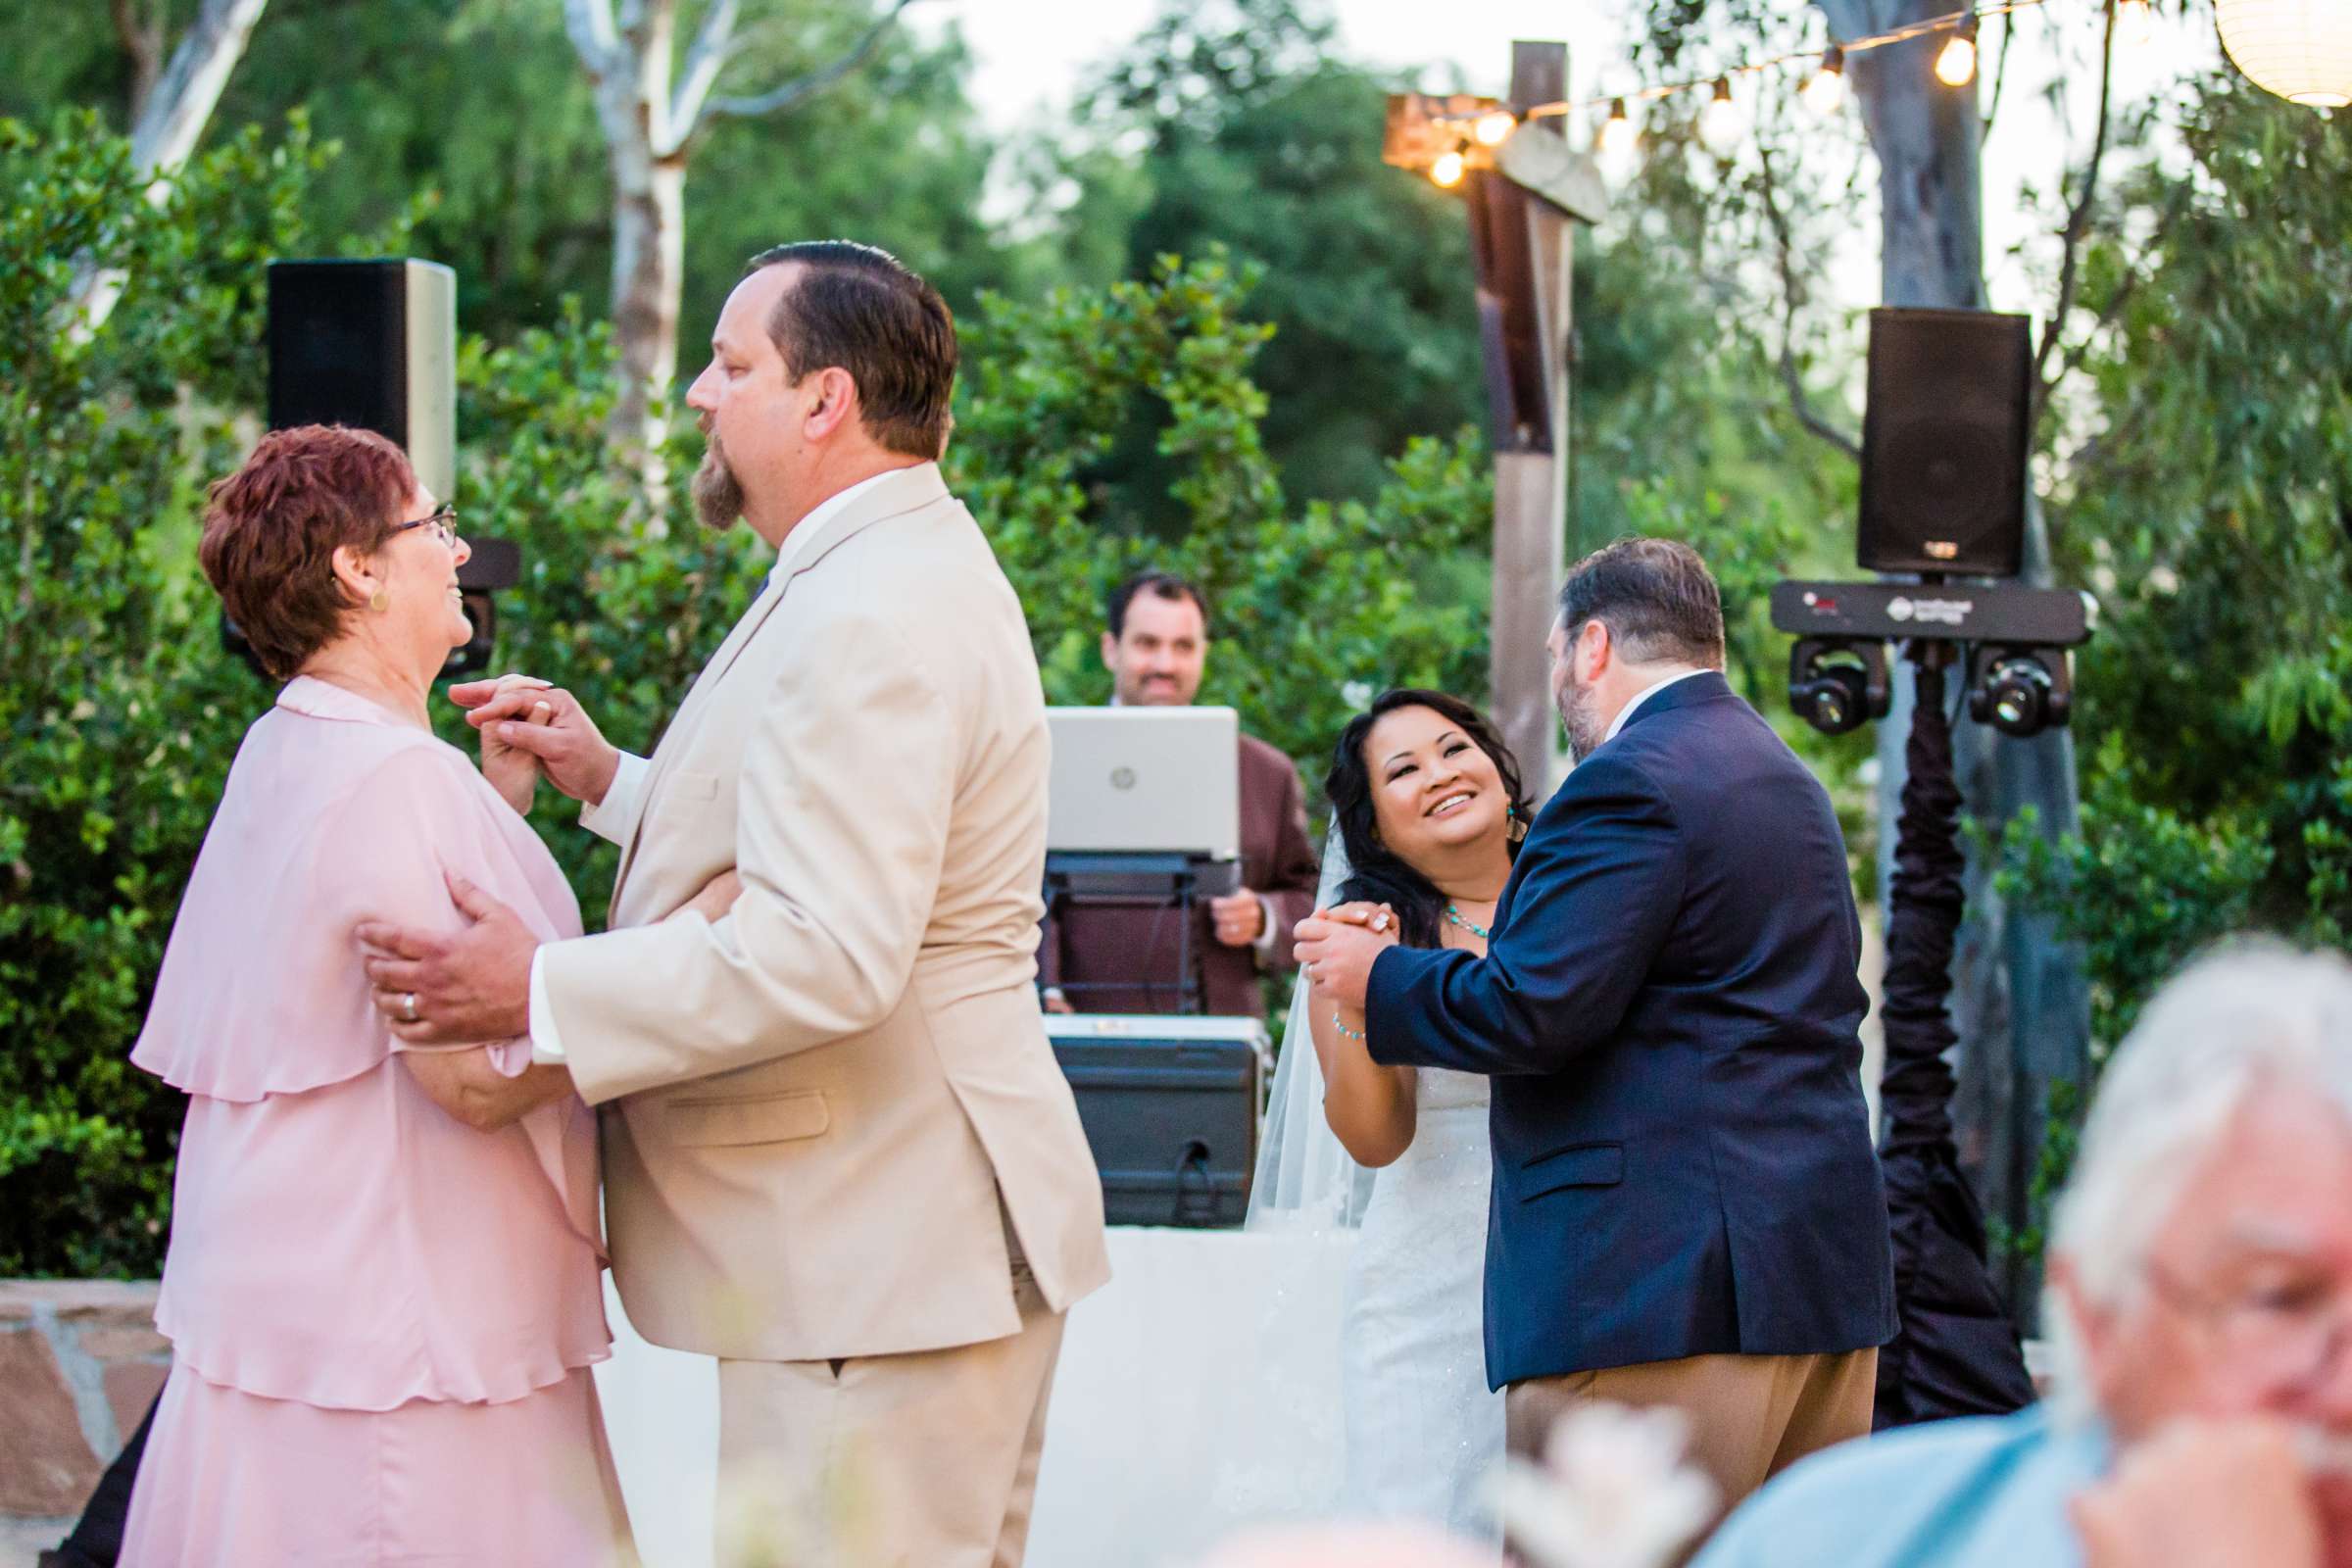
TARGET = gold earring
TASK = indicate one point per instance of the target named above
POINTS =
(380, 602)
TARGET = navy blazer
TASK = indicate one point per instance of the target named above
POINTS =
(1682, 1163)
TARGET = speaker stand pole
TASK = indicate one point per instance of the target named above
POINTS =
(1955, 1350)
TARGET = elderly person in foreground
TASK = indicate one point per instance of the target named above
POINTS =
(382, 1291)
(2200, 1289)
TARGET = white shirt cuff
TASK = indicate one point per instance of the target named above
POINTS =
(1266, 932)
(609, 817)
(547, 1050)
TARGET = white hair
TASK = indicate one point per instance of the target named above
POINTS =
(2249, 1017)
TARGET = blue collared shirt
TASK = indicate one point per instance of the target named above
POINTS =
(1980, 1492)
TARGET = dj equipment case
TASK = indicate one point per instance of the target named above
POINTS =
(1170, 1107)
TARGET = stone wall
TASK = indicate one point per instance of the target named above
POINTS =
(79, 1361)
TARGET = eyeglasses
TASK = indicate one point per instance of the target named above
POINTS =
(443, 522)
(2289, 1336)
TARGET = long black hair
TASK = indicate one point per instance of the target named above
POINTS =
(1376, 873)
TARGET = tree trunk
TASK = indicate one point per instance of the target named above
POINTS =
(650, 124)
(171, 120)
(141, 34)
(182, 102)
(2020, 1002)
(649, 272)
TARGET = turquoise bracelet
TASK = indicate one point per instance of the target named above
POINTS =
(1352, 1034)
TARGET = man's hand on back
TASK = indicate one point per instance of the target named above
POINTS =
(573, 752)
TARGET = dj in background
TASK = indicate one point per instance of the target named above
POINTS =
(1156, 645)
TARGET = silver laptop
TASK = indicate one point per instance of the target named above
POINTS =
(1146, 780)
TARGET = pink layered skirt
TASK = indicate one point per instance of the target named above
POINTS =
(232, 1480)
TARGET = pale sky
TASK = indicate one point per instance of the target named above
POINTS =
(1032, 54)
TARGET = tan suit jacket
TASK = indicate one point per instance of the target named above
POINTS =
(811, 1106)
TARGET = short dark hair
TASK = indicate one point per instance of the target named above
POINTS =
(1159, 585)
(861, 309)
(1376, 873)
(1656, 595)
(271, 529)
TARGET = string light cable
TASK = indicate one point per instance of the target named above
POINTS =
(1954, 65)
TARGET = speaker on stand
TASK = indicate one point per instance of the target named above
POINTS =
(373, 344)
(1944, 440)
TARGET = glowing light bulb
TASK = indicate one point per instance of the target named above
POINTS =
(2135, 23)
(1495, 127)
(1826, 90)
(1718, 124)
(1618, 137)
(1448, 169)
(1956, 66)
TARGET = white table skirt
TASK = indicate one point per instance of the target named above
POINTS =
(1197, 1392)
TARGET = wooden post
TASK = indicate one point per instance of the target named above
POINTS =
(1522, 247)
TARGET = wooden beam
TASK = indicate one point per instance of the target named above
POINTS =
(1523, 249)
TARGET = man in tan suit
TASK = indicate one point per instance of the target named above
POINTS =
(839, 1154)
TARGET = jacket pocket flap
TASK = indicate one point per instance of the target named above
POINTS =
(763, 1119)
(1577, 1165)
(687, 786)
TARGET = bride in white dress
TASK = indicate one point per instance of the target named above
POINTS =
(1428, 811)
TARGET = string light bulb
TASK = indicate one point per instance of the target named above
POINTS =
(1617, 133)
(1719, 123)
(1450, 166)
(1493, 128)
(2135, 23)
(1956, 66)
(1826, 90)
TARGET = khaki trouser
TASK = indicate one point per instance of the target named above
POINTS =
(1752, 1417)
(891, 1461)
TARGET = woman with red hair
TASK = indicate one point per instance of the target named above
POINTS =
(384, 1290)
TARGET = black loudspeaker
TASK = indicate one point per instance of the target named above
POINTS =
(1945, 438)
(1170, 1108)
(371, 344)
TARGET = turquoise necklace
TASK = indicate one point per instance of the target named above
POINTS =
(1453, 916)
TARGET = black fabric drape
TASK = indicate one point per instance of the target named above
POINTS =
(1956, 1352)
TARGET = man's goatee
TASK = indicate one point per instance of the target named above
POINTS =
(717, 496)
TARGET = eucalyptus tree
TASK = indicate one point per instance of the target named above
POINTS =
(652, 109)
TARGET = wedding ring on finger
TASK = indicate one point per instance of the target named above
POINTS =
(407, 1006)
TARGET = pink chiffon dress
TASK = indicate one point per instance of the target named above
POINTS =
(381, 1320)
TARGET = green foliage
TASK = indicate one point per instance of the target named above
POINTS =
(476, 115)
(1257, 139)
(2206, 502)
(1313, 606)
(121, 712)
(118, 712)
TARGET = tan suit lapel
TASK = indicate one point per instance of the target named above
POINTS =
(901, 492)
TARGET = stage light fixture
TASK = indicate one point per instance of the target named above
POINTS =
(2020, 691)
(1838, 685)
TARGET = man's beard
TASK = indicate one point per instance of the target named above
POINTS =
(718, 493)
(1583, 722)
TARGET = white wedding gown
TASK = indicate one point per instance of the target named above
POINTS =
(1422, 1430)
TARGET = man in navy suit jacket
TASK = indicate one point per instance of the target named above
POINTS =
(1687, 1208)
